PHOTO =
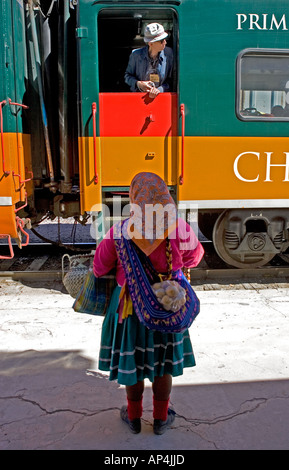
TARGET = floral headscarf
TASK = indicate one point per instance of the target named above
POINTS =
(153, 211)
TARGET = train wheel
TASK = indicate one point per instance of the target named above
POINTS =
(225, 245)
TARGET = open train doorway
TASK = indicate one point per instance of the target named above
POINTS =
(120, 31)
(136, 133)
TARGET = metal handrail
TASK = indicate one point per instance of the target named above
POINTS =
(94, 141)
(2, 103)
(182, 110)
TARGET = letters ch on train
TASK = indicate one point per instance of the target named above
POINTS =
(269, 165)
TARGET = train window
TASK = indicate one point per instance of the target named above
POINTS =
(119, 32)
(263, 85)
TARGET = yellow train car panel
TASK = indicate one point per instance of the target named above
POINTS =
(156, 154)
(15, 177)
(237, 170)
(89, 172)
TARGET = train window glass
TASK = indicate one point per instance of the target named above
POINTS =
(119, 32)
(263, 85)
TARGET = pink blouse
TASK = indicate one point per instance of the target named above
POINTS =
(187, 252)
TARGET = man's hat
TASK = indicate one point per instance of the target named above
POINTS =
(154, 32)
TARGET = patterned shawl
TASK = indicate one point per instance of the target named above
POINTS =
(153, 212)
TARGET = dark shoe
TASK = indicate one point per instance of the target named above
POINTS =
(134, 425)
(161, 426)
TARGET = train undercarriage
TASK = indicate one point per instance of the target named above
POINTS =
(248, 237)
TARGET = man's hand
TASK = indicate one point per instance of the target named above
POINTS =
(153, 92)
(144, 86)
(147, 87)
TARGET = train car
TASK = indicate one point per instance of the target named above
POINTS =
(219, 137)
(15, 170)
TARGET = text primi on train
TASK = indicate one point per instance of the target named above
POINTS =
(264, 21)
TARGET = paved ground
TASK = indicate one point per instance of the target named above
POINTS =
(53, 397)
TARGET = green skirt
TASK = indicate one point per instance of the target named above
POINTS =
(131, 352)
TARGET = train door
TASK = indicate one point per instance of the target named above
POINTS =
(132, 132)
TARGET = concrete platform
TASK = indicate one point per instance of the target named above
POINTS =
(52, 395)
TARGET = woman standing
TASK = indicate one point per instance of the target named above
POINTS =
(130, 351)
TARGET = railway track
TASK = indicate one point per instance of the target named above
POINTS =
(42, 262)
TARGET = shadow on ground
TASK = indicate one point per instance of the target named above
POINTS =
(53, 400)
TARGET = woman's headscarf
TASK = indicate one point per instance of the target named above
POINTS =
(153, 211)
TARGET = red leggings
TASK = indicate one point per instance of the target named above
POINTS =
(161, 394)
